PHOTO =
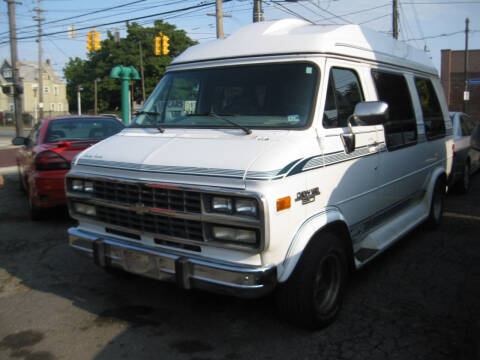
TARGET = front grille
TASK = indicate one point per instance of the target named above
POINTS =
(152, 197)
(156, 224)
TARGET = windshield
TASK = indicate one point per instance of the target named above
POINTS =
(253, 96)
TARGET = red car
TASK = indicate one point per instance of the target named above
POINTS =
(45, 157)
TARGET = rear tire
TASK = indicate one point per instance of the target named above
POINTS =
(35, 212)
(21, 185)
(436, 205)
(464, 185)
(312, 296)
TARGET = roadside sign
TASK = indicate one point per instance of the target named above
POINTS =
(474, 82)
(466, 95)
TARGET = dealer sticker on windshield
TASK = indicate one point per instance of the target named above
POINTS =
(293, 119)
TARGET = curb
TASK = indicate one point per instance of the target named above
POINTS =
(8, 170)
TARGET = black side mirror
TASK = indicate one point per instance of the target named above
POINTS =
(371, 113)
(19, 140)
(348, 141)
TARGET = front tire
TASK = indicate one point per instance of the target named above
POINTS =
(312, 296)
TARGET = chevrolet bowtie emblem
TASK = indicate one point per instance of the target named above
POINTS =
(140, 209)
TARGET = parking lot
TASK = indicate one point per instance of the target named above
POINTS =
(420, 300)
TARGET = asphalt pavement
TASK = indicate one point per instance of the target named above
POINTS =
(419, 300)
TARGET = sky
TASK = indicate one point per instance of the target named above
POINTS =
(425, 24)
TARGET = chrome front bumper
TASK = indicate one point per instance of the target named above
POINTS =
(188, 272)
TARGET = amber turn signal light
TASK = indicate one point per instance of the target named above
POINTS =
(284, 203)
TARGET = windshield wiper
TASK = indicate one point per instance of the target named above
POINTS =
(146, 113)
(156, 126)
(220, 117)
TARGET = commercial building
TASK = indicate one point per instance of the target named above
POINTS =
(453, 80)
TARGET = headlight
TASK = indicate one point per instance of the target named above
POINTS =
(85, 209)
(223, 233)
(222, 204)
(82, 185)
(77, 185)
(88, 186)
(234, 206)
(246, 207)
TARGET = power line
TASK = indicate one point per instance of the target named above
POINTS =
(330, 13)
(375, 19)
(360, 11)
(443, 35)
(287, 10)
(124, 20)
(86, 14)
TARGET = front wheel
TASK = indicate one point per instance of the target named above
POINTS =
(313, 294)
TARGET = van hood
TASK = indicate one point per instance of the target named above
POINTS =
(213, 157)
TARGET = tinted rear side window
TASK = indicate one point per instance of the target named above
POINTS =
(401, 127)
(432, 113)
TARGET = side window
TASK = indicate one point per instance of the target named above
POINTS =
(34, 134)
(344, 92)
(401, 127)
(432, 113)
(467, 125)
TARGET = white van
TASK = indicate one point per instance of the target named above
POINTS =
(282, 157)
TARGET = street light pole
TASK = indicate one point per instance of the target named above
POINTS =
(79, 100)
(17, 98)
(39, 19)
(466, 94)
(95, 95)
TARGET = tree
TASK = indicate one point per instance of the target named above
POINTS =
(125, 52)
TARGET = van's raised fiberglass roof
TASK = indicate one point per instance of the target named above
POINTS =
(294, 36)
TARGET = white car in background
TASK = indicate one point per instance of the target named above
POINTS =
(466, 155)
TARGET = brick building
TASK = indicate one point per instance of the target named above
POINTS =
(453, 80)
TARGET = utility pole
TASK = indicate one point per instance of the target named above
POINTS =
(39, 19)
(219, 15)
(395, 19)
(17, 96)
(466, 94)
(257, 11)
(141, 70)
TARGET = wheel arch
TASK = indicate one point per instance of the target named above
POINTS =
(329, 220)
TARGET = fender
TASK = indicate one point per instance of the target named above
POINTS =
(436, 173)
(303, 236)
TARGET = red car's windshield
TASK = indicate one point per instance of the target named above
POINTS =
(81, 129)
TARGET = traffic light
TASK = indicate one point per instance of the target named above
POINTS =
(90, 41)
(96, 41)
(165, 45)
(158, 41)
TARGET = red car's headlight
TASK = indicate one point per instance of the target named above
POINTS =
(49, 160)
